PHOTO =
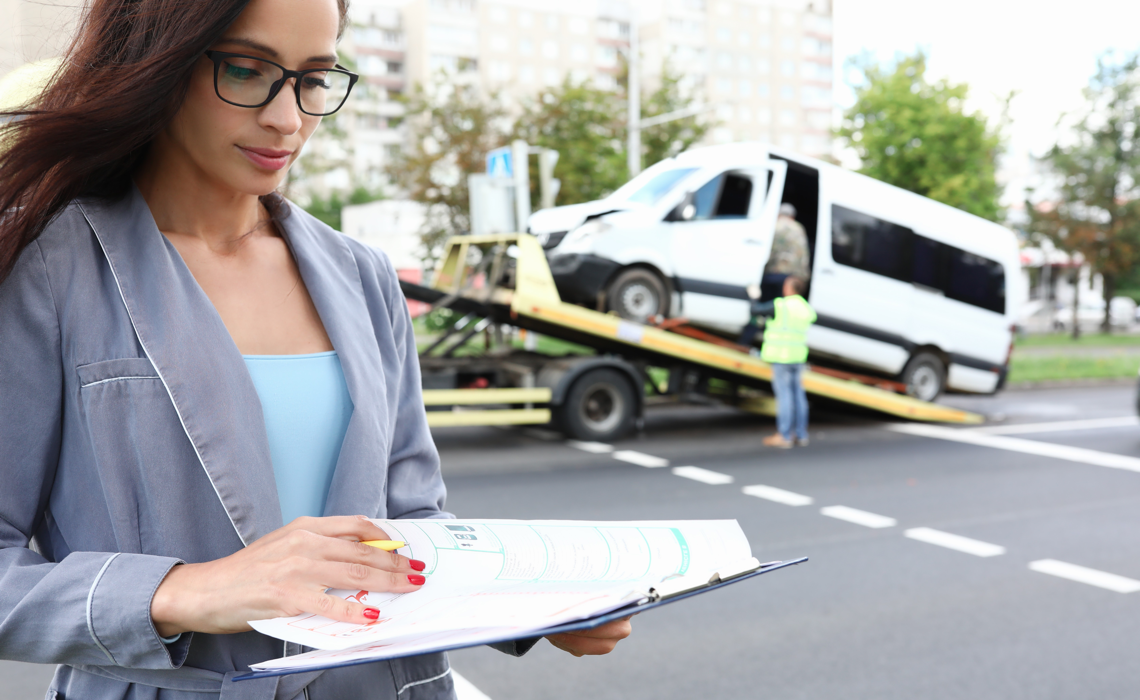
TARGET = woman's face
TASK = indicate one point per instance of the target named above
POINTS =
(250, 150)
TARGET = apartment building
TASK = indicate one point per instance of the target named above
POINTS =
(765, 64)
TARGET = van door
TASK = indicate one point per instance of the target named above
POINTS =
(723, 247)
(862, 291)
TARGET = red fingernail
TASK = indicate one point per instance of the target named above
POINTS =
(371, 613)
(416, 579)
(417, 564)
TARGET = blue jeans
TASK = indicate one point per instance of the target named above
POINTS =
(791, 401)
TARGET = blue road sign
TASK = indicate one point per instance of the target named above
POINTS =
(499, 162)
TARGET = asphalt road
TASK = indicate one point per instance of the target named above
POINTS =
(877, 612)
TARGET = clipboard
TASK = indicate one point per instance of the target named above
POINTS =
(665, 593)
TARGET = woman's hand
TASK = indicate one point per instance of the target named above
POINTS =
(282, 574)
(599, 640)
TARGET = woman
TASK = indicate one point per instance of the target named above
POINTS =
(187, 362)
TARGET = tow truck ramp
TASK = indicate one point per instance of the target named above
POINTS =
(591, 397)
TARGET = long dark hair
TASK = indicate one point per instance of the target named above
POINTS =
(121, 81)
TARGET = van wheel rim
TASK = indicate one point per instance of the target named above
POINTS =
(925, 383)
(639, 301)
(601, 408)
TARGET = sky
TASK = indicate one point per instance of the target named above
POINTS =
(1045, 49)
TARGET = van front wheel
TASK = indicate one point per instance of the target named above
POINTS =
(637, 295)
(924, 376)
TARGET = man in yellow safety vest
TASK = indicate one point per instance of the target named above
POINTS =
(785, 348)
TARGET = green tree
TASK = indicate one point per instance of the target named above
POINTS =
(451, 129)
(915, 133)
(586, 125)
(668, 139)
(1096, 211)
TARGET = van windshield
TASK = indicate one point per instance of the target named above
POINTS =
(652, 191)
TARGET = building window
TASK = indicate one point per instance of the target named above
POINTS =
(745, 88)
(552, 22)
(526, 47)
(764, 116)
(579, 25)
(787, 117)
(550, 76)
(394, 68)
(499, 42)
(526, 74)
(605, 81)
(788, 68)
(550, 49)
(724, 85)
(526, 19)
(788, 43)
(607, 56)
(764, 41)
(788, 19)
(579, 53)
(500, 70)
(787, 92)
(499, 15)
(762, 91)
(724, 60)
(452, 37)
(612, 29)
(723, 35)
(744, 39)
(745, 64)
(763, 65)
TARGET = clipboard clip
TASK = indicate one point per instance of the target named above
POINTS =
(683, 584)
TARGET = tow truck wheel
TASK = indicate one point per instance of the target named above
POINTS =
(598, 407)
(924, 376)
(637, 295)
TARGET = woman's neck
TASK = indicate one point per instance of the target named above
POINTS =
(184, 201)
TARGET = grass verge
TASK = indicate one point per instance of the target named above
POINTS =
(1062, 367)
(1087, 340)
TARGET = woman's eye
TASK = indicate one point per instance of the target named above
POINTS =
(312, 82)
(240, 73)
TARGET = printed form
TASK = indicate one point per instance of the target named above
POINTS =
(491, 579)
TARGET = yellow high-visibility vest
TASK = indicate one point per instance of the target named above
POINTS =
(785, 336)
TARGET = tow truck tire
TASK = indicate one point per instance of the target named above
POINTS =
(598, 407)
(924, 376)
(637, 295)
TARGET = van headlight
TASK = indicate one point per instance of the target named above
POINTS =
(590, 228)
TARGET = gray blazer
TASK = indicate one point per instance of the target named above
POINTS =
(132, 438)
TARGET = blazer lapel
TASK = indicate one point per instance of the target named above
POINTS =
(197, 360)
(332, 278)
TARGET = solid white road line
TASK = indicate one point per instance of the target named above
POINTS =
(596, 448)
(641, 459)
(771, 493)
(859, 517)
(1032, 447)
(464, 690)
(1092, 577)
(1059, 426)
(705, 476)
(957, 542)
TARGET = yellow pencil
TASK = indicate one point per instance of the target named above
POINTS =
(386, 545)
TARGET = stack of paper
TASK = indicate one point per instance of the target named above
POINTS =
(502, 579)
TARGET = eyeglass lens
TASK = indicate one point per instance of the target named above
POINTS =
(248, 81)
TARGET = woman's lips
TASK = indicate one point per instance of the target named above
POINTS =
(268, 158)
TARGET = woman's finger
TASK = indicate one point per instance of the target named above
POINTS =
(333, 549)
(616, 630)
(349, 576)
(582, 646)
(348, 527)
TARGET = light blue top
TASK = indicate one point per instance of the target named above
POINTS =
(307, 407)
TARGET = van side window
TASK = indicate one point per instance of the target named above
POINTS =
(930, 263)
(726, 196)
(870, 244)
(976, 280)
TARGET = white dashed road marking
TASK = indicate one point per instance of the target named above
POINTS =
(1092, 577)
(705, 476)
(464, 690)
(956, 542)
(859, 517)
(771, 493)
(640, 459)
(1032, 447)
(1059, 426)
(596, 448)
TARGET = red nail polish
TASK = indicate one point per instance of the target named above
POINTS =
(417, 564)
(416, 579)
(371, 613)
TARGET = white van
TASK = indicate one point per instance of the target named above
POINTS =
(904, 286)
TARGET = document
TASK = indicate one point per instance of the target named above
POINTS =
(490, 580)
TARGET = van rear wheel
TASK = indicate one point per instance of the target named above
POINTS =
(925, 376)
(637, 295)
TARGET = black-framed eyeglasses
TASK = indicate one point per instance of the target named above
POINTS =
(248, 81)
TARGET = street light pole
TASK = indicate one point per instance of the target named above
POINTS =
(633, 85)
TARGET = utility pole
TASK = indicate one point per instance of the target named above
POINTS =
(633, 91)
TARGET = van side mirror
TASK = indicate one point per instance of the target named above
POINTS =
(685, 211)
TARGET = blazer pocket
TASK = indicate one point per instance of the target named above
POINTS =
(124, 369)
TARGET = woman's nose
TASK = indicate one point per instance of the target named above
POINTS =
(282, 113)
